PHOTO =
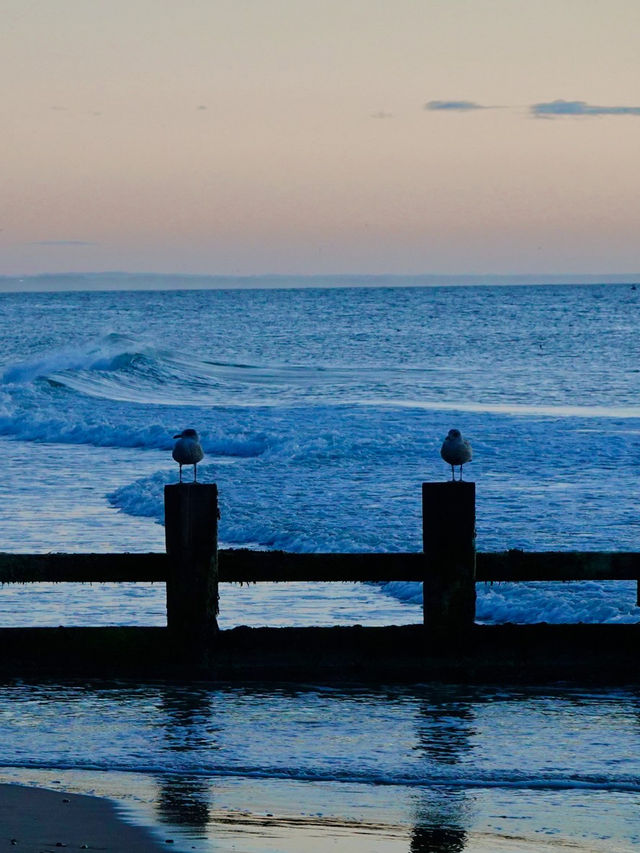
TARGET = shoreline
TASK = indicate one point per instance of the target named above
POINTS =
(264, 819)
(33, 820)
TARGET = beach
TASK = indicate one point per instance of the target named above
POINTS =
(34, 820)
(276, 818)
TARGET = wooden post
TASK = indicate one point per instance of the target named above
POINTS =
(448, 533)
(191, 531)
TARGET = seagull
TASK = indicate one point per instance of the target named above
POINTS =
(456, 450)
(188, 450)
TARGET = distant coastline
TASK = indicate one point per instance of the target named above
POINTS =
(123, 281)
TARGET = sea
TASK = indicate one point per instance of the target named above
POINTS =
(321, 410)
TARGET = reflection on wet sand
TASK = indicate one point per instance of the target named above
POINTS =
(184, 801)
(444, 732)
(437, 839)
(186, 716)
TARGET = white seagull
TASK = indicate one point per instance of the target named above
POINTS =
(456, 450)
(188, 450)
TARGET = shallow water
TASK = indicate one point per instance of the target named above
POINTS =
(269, 767)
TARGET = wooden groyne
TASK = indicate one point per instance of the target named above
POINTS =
(448, 644)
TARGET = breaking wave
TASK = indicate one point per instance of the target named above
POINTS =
(118, 368)
(157, 437)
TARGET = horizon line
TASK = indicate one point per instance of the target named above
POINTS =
(122, 280)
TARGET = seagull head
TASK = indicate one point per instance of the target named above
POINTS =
(453, 433)
(187, 433)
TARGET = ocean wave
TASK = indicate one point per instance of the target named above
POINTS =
(120, 369)
(462, 779)
(107, 354)
(26, 427)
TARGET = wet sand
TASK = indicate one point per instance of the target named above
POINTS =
(38, 820)
(33, 820)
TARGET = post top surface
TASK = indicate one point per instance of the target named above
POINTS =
(186, 486)
(449, 484)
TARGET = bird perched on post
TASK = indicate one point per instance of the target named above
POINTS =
(188, 450)
(456, 450)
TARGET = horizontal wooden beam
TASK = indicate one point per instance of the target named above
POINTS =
(83, 568)
(238, 565)
(242, 565)
(519, 565)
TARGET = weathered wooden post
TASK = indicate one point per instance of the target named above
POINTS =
(448, 534)
(191, 531)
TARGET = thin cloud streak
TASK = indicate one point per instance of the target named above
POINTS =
(454, 106)
(579, 108)
(548, 109)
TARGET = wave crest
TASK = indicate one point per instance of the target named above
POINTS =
(120, 369)
(110, 353)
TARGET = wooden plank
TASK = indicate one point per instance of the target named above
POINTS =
(246, 566)
(518, 565)
(237, 565)
(241, 565)
(83, 568)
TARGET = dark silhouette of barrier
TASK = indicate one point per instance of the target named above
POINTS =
(192, 566)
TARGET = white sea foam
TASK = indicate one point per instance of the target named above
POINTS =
(512, 408)
(531, 602)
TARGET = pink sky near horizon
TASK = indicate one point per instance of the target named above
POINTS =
(246, 137)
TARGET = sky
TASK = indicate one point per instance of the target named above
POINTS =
(246, 137)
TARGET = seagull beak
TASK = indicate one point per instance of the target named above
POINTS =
(179, 435)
